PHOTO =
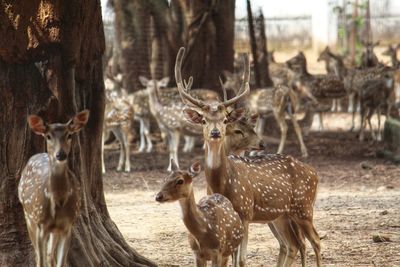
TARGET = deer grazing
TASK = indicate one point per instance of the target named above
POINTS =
(266, 189)
(375, 96)
(49, 191)
(215, 229)
(117, 119)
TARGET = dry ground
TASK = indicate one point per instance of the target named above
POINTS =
(358, 197)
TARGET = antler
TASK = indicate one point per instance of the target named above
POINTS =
(245, 88)
(185, 88)
(223, 89)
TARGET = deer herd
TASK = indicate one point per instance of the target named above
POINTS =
(245, 184)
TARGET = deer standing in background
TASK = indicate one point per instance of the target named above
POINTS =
(320, 88)
(49, 191)
(334, 65)
(281, 101)
(215, 229)
(368, 57)
(270, 188)
(391, 52)
(374, 97)
(118, 115)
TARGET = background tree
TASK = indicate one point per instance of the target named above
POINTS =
(50, 64)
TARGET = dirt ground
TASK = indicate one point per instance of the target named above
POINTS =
(358, 197)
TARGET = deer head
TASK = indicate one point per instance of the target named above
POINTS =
(297, 63)
(324, 55)
(58, 135)
(178, 184)
(214, 115)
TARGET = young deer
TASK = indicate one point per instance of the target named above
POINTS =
(49, 191)
(269, 188)
(215, 228)
(118, 115)
(375, 96)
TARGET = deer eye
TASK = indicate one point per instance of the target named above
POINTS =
(239, 132)
(225, 121)
(203, 121)
(48, 137)
(69, 136)
(179, 182)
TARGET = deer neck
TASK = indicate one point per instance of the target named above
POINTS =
(216, 166)
(58, 185)
(192, 216)
(154, 101)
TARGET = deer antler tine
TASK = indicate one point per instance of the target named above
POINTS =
(245, 88)
(184, 88)
(223, 88)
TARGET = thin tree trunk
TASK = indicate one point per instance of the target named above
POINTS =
(253, 44)
(60, 62)
(263, 48)
(353, 33)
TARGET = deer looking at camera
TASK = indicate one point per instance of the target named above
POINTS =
(49, 191)
(215, 228)
(368, 57)
(269, 188)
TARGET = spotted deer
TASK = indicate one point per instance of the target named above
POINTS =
(215, 229)
(269, 188)
(321, 88)
(334, 65)
(391, 52)
(368, 57)
(118, 115)
(280, 101)
(375, 96)
(49, 191)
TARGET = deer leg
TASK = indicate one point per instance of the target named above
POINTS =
(40, 255)
(282, 124)
(243, 245)
(369, 116)
(200, 262)
(217, 261)
(299, 135)
(362, 126)
(188, 144)
(125, 136)
(300, 241)
(173, 148)
(103, 167)
(282, 246)
(62, 248)
(225, 262)
(51, 246)
(260, 126)
(320, 120)
(147, 134)
(142, 136)
(312, 236)
(118, 134)
(339, 105)
(351, 103)
(191, 144)
(379, 136)
(283, 227)
(334, 107)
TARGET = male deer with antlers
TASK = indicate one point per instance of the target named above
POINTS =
(269, 188)
(49, 191)
(215, 228)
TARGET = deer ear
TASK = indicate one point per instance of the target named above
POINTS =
(235, 114)
(78, 121)
(143, 80)
(193, 116)
(253, 119)
(163, 82)
(174, 166)
(195, 169)
(37, 124)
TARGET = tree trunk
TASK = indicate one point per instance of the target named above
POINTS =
(353, 33)
(209, 40)
(253, 44)
(135, 45)
(262, 46)
(50, 64)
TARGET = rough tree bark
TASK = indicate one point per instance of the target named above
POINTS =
(135, 46)
(209, 40)
(50, 64)
(253, 44)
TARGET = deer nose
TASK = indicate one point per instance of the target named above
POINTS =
(215, 133)
(61, 155)
(159, 197)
